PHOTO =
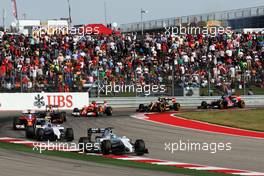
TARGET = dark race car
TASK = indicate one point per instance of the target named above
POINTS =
(93, 110)
(53, 113)
(106, 142)
(224, 103)
(27, 118)
(161, 105)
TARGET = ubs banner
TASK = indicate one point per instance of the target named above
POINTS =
(39, 101)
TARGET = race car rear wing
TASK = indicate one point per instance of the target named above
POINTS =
(91, 131)
(98, 130)
(167, 98)
(52, 106)
(29, 111)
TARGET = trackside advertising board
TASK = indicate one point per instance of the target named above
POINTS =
(39, 101)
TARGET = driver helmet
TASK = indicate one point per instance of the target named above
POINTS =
(113, 136)
(94, 103)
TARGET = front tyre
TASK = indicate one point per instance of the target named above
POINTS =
(40, 134)
(139, 147)
(106, 147)
(141, 108)
(69, 135)
(204, 105)
(30, 132)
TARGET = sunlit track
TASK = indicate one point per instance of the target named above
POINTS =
(246, 153)
(27, 164)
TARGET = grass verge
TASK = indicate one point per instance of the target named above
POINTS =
(252, 119)
(115, 162)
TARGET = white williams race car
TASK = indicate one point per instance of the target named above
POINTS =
(107, 142)
(43, 130)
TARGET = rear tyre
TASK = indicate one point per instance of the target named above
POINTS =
(225, 105)
(69, 135)
(76, 110)
(40, 134)
(30, 132)
(140, 147)
(241, 104)
(96, 112)
(161, 107)
(204, 105)
(221, 105)
(16, 122)
(108, 111)
(63, 114)
(141, 107)
(106, 147)
(176, 106)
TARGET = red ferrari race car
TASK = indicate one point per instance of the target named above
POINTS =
(27, 118)
(224, 103)
(93, 110)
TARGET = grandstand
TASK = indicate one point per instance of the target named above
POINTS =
(237, 19)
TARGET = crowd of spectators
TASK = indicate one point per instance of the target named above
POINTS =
(73, 63)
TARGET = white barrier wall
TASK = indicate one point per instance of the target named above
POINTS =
(38, 101)
(133, 102)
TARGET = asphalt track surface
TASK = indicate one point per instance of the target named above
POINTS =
(246, 153)
(26, 164)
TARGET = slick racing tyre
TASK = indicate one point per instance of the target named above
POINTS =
(82, 143)
(108, 111)
(139, 147)
(176, 106)
(221, 105)
(204, 105)
(63, 116)
(241, 104)
(161, 107)
(16, 122)
(76, 110)
(96, 112)
(69, 135)
(40, 134)
(106, 147)
(141, 107)
(30, 132)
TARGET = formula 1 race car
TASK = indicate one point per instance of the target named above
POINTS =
(93, 110)
(53, 114)
(161, 105)
(107, 142)
(224, 103)
(43, 130)
(27, 118)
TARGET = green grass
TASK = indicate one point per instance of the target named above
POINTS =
(252, 119)
(115, 162)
